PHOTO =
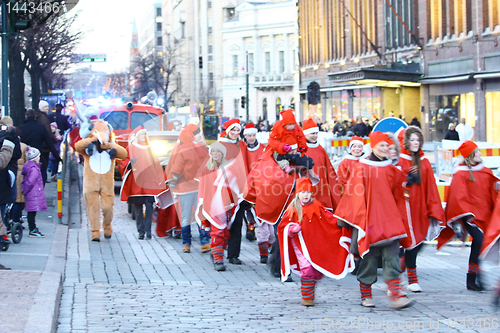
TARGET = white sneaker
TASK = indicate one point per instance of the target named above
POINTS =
(414, 287)
(401, 303)
(367, 303)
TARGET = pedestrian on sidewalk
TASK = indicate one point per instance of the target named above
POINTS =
(17, 208)
(53, 161)
(32, 187)
(311, 242)
(5, 156)
(143, 180)
(470, 204)
(185, 164)
(373, 204)
(427, 214)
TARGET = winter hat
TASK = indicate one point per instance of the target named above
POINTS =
(91, 113)
(219, 146)
(378, 137)
(42, 104)
(53, 124)
(467, 148)
(7, 121)
(32, 153)
(304, 184)
(195, 129)
(228, 125)
(288, 117)
(309, 126)
(355, 139)
(186, 136)
(250, 129)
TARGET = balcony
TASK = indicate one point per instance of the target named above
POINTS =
(272, 80)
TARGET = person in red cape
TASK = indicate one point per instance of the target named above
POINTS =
(230, 138)
(346, 166)
(470, 204)
(143, 180)
(217, 201)
(289, 144)
(311, 242)
(373, 205)
(186, 161)
(251, 154)
(426, 216)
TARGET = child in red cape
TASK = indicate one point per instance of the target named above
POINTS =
(471, 201)
(311, 242)
(373, 204)
(288, 143)
(346, 166)
(426, 216)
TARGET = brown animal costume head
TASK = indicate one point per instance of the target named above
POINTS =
(103, 131)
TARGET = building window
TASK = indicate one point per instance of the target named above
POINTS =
(492, 116)
(183, 28)
(292, 103)
(264, 109)
(268, 62)
(282, 61)
(230, 14)
(236, 108)
(210, 49)
(158, 11)
(250, 63)
(158, 26)
(159, 41)
(279, 108)
(396, 34)
(209, 30)
(211, 80)
(209, 4)
(235, 65)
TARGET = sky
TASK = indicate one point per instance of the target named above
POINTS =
(108, 28)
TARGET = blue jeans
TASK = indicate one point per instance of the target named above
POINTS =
(188, 201)
(186, 235)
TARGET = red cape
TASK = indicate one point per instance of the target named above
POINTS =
(345, 168)
(326, 191)
(279, 134)
(373, 202)
(186, 161)
(251, 156)
(491, 246)
(426, 218)
(321, 241)
(167, 220)
(474, 200)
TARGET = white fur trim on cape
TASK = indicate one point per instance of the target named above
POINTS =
(257, 146)
(295, 146)
(227, 140)
(138, 145)
(313, 145)
(477, 167)
(311, 130)
(376, 163)
(408, 157)
(351, 157)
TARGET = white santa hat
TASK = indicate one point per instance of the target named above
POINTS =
(250, 129)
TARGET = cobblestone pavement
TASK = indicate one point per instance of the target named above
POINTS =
(127, 285)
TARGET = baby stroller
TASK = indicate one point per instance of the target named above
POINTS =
(15, 228)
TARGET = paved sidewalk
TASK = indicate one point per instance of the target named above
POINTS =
(127, 285)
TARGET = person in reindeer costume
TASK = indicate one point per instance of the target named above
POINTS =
(99, 152)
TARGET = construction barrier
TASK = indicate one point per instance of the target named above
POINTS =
(493, 152)
(59, 199)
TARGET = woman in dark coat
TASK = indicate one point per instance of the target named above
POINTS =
(451, 134)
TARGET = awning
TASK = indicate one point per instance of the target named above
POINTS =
(491, 75)
(377, 77)
(429, 80)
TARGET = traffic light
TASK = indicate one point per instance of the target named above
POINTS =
(15, 24)
(200, 62)
(243, 100)
(313, 93)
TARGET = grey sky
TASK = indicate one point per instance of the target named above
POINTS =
(109, 27)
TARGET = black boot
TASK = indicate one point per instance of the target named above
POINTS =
(471, 282)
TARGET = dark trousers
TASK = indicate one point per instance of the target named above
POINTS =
(44, 158)
(17, 211)
(367, 272)
(54, 165)
(31, 220)
(411, 256)
(144, 222)
(234, 243)
(477, 242)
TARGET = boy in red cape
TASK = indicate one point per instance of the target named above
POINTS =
(373, 204)
(186, 161)
(327, 192)
(346, 166)
(426, 216)
(471, 201)
(311, 242)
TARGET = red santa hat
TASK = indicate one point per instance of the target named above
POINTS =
(230, 124)
(355, 139)
(135, 133)
(467, 148)
(378, 137)
(288, 117)
(309, 126)
(249, 129)
(304, 184)
(195, 129)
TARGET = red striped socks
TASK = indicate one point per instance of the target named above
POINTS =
(264, 249)
(412, 275)
(307, 288)
(218, 253)
(366, 290)
(473, 268)
(395, 288)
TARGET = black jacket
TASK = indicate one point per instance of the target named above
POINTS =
(452, 135)
(35, 135)
(61, 120)
(361, 130)
(6, 194)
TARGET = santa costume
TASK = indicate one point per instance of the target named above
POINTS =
(373, 205)
(327, 192)
(470, 204)
(347, 165)
(230, 138)
(426, 216)
(312, 243)
(142, 181)
(186, 161)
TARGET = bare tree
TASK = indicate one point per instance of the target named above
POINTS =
(116, 84)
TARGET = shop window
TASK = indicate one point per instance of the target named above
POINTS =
(264, 109)
(492, 116)
(236, 110)
(279, 107)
